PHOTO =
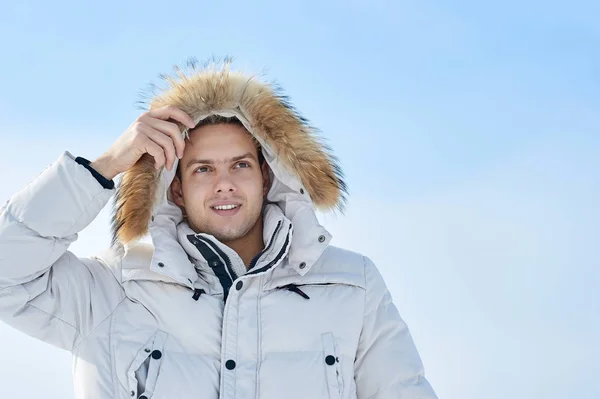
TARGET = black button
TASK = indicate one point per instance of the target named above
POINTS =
(160, 264)
(156, 354)
(230, 364)
(143, 397)
(239, 285)
(147, 350)
(132, 393)
(330, 360)
(302, 265)
(301, 191)
(321, 238)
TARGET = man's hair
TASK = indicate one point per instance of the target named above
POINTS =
(224, 120)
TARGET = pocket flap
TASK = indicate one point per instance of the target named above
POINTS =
(341, 278)
(144, 365)
(331, 362)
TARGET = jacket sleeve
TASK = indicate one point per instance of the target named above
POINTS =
(45, 290)
(387, 365)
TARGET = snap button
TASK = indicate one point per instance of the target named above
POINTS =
(239, 285)
(132, 393)
(156, 354)
(153, 218)
(215, 263)
(301, 191)
(302, 265)
(230, 364)
(330, 360)
(143, 397)
(321, 238)
(147, 350)
(160, 264)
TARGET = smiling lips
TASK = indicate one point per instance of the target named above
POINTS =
(226, 209)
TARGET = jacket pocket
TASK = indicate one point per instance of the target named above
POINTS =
(333, 372)
(143, 373)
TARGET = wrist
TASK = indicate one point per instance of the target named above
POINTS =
(102, 166)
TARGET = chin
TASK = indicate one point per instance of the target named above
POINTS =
(226, 233)
(226, 236)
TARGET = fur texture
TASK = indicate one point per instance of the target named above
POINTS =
(213, 88)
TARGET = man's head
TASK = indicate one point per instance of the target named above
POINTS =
(222, 166)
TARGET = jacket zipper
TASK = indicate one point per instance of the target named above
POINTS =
(207, 251)
(261, 253)
(223, 255)
(277, 258)
(197, 293)
(294, 288)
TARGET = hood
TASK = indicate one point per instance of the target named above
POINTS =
(304, 170)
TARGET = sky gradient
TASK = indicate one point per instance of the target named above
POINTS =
(469, 135)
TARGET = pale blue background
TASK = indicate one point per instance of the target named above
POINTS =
(469, 133)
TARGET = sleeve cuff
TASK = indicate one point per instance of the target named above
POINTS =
(108, 184)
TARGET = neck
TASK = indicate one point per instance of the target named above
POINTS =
(248, 246)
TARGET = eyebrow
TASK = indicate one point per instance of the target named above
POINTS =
(230, 160)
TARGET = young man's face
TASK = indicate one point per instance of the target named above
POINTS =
(222, 185)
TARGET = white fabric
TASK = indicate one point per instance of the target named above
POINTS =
(135, 330)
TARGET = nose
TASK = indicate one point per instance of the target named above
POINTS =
(224, 184)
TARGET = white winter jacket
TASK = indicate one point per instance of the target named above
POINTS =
(169, 313)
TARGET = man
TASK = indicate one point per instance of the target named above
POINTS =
(220, 282)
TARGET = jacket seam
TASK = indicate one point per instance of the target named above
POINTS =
(53, 317)
(259, 337)
(362, 327)
(37, 233)
(366, 292)
(111, 356)
(76, 220)
(418, 379)
(95, 327)
(83, 339)
(27, 304)
(46, 270)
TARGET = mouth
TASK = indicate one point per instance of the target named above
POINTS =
(226, 209)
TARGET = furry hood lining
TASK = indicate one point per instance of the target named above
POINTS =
(293, 148)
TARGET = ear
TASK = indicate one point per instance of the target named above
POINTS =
(266, 176)
(176, 190)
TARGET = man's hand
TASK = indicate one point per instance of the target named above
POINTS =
(151, 133)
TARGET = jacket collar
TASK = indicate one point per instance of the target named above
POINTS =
(175, 258)
(276, 230)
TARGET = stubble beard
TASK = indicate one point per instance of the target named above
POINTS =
(230, 233)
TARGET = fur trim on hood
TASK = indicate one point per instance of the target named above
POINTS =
(215, 89)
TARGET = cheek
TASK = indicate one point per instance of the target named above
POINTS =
(252, 187)
(195, 193)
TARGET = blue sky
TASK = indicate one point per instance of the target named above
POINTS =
(469, 134)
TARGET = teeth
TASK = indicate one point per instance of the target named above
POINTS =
(225, 207)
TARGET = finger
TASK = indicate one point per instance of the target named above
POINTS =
(165, 142)
(172, 112)
(170, 129)
(157, 153)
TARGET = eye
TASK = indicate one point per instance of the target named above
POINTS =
(202, 169)
(242, 165)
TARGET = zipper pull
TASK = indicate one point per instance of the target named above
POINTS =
(197, 293)
(294, 288)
